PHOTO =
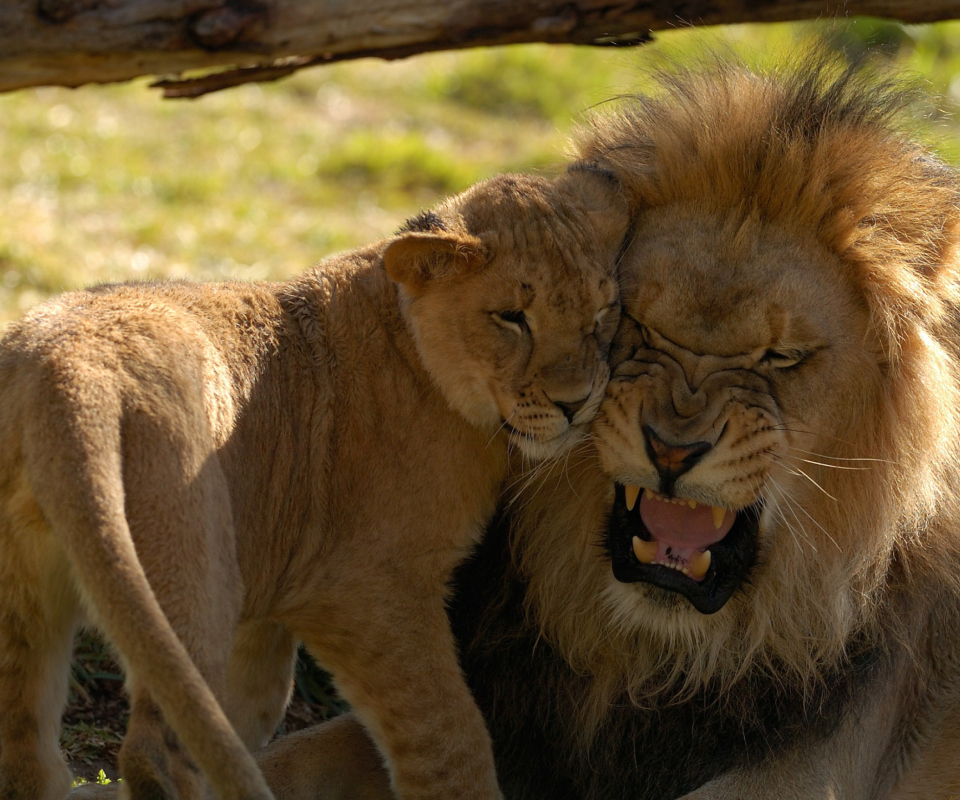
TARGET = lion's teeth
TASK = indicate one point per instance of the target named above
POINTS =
(632, 493)
(644, 551)
(699, 564)
(692, 503)
(718, 515)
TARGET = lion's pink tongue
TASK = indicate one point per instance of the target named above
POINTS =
(673, 524)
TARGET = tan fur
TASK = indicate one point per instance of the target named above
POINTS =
(782, 216)
(213, 472)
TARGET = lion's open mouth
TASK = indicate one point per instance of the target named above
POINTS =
(701, 552)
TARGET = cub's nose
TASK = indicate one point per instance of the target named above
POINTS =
(672, 460)
(570, 409)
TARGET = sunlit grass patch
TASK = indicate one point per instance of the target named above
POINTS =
(111, 183)
(538, 81)
(101, 779)
(401, 162)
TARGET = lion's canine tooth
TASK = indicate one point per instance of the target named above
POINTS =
(645, 551)
(699, 564)
(692, 503)
(718, 515)
(631, 492)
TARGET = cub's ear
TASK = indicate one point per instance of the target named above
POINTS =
(415, 258)
(602, 196)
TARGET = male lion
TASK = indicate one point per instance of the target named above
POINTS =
(213, 472)
(785, 397)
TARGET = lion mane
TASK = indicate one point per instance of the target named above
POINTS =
(834, 660)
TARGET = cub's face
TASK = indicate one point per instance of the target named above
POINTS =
(516, 324)
(528, 350)
(742, 368)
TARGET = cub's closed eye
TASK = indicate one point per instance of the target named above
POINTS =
(512, 320)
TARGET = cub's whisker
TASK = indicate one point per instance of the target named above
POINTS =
(500, 427)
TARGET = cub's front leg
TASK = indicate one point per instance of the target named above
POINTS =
(393, 657)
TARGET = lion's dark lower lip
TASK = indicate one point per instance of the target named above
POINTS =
(733, 557)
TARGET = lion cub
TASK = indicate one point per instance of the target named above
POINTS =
(212, 473)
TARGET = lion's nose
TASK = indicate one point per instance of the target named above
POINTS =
(570, 409)
(672, 460)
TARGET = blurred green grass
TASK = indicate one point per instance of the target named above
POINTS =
(113, 183)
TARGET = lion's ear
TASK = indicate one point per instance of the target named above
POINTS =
(413, 259)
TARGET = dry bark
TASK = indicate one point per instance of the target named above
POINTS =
(73, 42)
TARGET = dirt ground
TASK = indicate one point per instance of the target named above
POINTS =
(96, 715)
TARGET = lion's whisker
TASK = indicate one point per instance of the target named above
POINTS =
(832, 466)
(794, 504)
(801, 539)
(785, 503)
(822, 529)
(799, 472)
(788, 429)
(839, 458)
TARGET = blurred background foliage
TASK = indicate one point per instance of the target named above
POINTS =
(113, 183)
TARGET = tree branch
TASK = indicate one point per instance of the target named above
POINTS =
(74, 42)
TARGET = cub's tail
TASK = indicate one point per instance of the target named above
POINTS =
(72, 456)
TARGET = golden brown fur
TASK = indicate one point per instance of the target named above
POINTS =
(790, 303)
(213, 472)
